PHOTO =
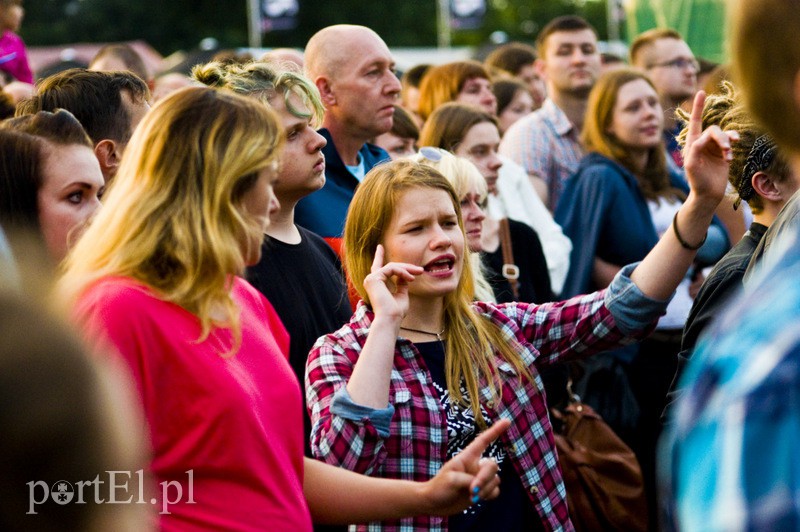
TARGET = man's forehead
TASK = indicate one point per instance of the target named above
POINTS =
(672, 47)
(574, 37)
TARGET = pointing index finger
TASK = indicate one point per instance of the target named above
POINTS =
(377, 262)
(695, 128)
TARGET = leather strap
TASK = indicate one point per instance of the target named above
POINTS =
(510, 270)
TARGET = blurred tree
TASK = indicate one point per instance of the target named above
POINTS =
(181, 24)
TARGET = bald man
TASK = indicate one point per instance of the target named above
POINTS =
(353, 70)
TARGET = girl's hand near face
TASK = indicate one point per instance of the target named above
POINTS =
(707, 156)
(387, 286)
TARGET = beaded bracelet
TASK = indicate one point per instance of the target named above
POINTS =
(683, 242)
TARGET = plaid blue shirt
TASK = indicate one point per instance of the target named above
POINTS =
(546, 144)
(731, 459)
(408, 440)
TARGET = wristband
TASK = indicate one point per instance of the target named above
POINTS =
(683, 242)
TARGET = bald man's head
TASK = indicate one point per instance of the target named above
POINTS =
(353, 70)
(331, 48)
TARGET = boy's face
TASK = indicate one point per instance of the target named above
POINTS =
(302, 166)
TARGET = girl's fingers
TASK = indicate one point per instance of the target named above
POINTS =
(377, 262)
(695, 127)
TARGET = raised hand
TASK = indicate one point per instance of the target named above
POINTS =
(387, 285)
(707, 155)
(466, 478)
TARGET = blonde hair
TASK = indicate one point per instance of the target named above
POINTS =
(264, 81)
(471, 339)
(173, 218)
(465, 177)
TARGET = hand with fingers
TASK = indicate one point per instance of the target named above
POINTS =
(387, 286)
(467, 478)
(707, 155)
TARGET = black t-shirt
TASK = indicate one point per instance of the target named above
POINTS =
(512, 510)
(304, 283)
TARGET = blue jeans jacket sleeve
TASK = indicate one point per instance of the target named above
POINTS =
(632, 310)
(344, 406)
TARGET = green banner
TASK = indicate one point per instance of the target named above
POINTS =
(701, 22)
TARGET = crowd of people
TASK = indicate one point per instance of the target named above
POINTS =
(305, 291)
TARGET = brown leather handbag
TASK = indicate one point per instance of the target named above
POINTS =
(605, 490)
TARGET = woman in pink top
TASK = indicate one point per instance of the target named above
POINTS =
(13, 57)
(156, 276)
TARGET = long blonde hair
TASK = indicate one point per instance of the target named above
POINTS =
(472, 340)
(173, 218)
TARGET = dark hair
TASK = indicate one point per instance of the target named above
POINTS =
(403, 125)
(22, 152)
(505, 90)
(20, 179)
(95, 98)
(7, 105)
(60, 127)
(558, 24)
(511, 57)
(127, 55)
(413, 76)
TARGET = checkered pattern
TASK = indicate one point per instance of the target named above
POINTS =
(545, 143)
(416, 446)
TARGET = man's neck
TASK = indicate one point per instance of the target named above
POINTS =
(769, 212)
(347, 144)
(571, 105)
(282, 227)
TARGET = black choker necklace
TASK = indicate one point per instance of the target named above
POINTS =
(437, 335)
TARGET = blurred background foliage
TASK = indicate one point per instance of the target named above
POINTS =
(170, 25)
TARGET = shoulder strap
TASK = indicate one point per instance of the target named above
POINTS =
(510, 270)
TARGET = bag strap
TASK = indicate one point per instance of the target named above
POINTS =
(510, 270)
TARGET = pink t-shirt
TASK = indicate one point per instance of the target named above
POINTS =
(234, 421)
(14, 58)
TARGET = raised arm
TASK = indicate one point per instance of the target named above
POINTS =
(336, 495)
(707, 156)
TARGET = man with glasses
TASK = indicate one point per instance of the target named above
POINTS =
(669, 62)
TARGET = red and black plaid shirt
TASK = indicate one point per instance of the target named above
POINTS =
(417, 444)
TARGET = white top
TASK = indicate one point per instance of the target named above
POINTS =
(678, 309)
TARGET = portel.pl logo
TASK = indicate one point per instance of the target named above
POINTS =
(118, 491)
